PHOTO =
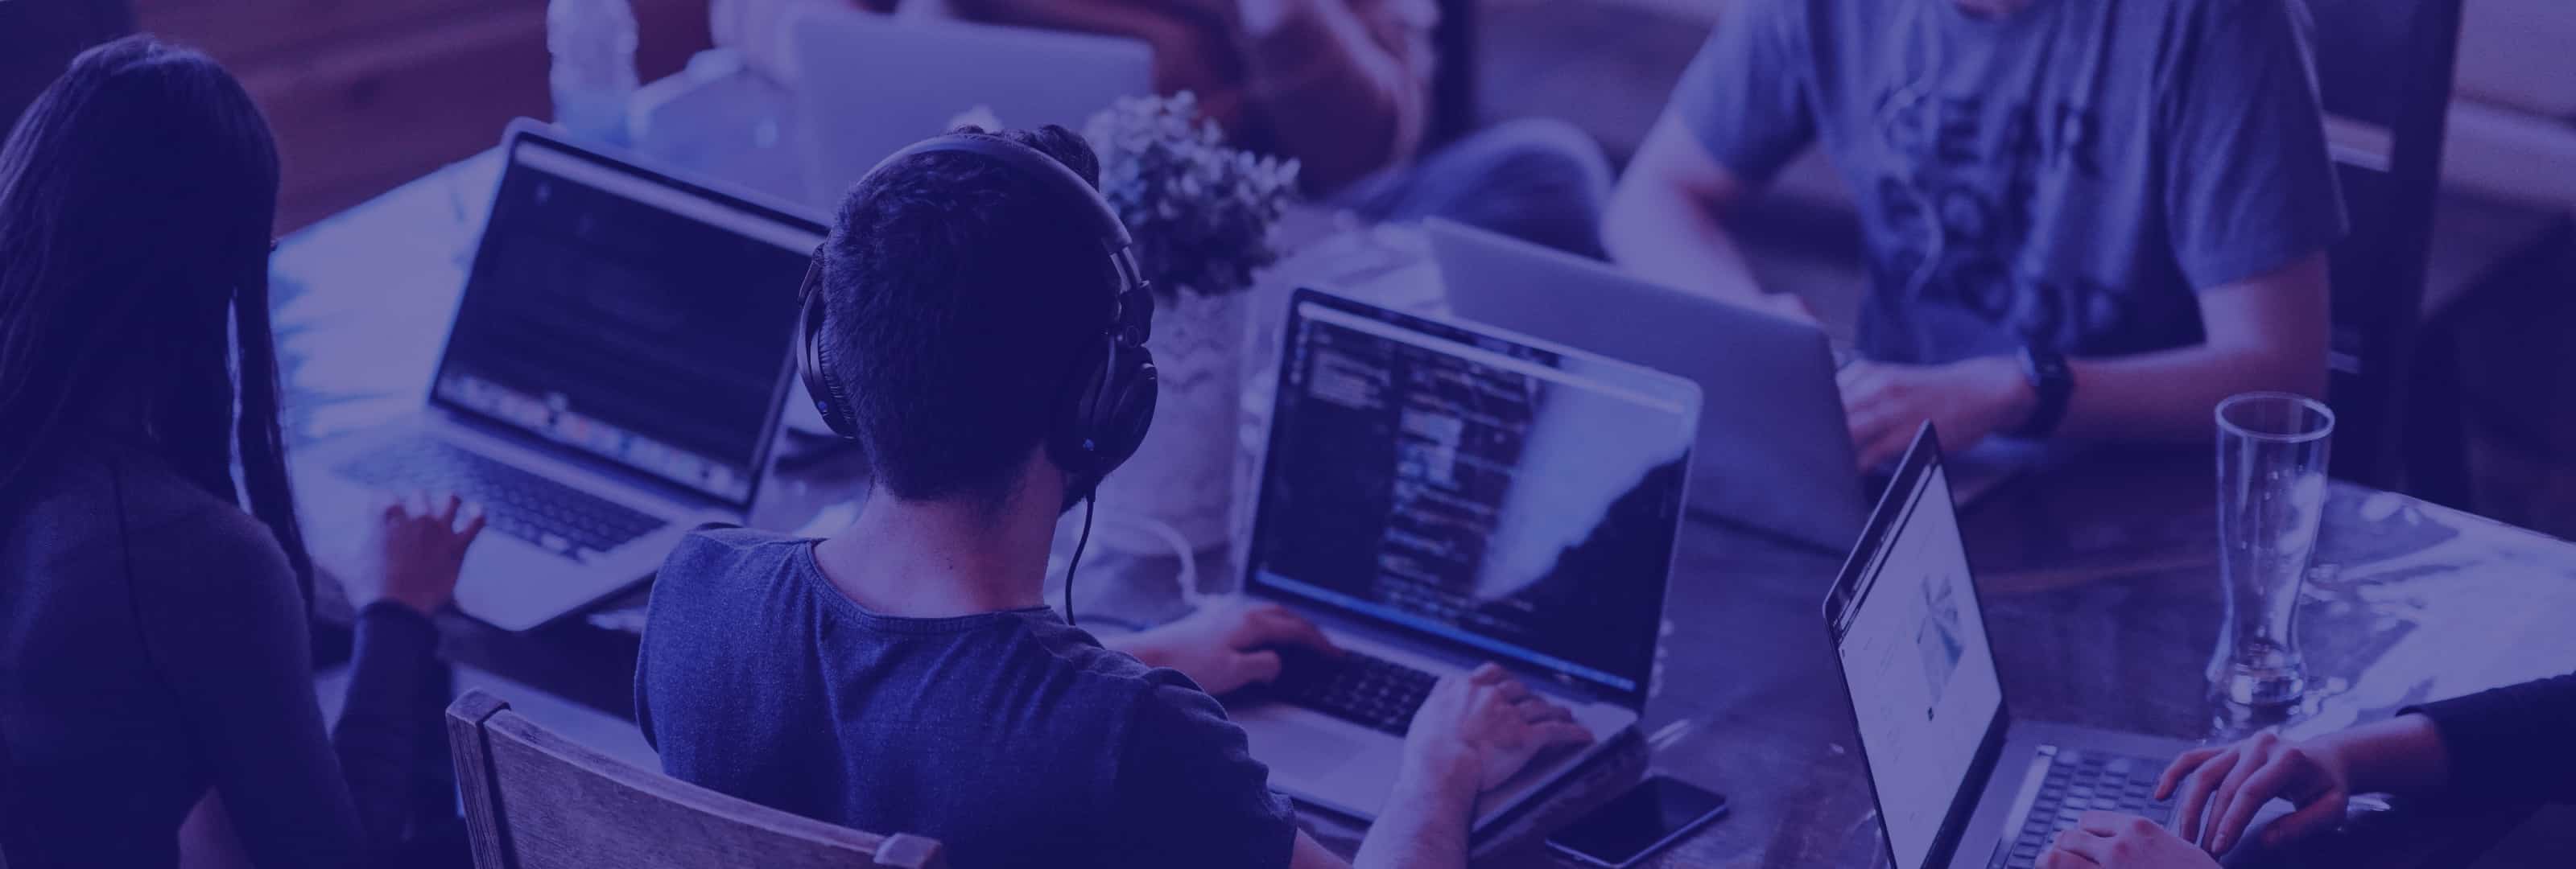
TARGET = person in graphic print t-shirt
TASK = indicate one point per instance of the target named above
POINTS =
(2088, 219)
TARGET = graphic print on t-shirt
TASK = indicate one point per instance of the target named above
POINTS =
(1960, 190)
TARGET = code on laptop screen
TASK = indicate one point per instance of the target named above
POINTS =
(1491, 494)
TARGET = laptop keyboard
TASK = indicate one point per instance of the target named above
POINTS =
(2077, 782)
(1369, 691)
(516, 502)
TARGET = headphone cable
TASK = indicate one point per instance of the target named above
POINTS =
(1089, 503)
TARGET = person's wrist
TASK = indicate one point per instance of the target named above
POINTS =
(2389, 755)
(1442, 773)
(2346, 757)
(2010, 391)
(388, 591)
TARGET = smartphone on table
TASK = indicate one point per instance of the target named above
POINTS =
(1634, 825)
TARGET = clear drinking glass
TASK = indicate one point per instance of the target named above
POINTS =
(2271, 494)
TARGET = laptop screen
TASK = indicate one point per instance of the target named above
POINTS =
(637, 319)
(1911, 641)
(1514, 501)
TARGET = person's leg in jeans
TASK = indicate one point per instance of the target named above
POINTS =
(1540, 181)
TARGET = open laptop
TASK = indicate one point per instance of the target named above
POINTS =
(869, 84)
(1436, 496)
(1961, 782)
(1774, 452)
(612, 377)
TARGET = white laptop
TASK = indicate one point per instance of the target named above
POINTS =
(1436, 496)
(870, 84)
(1961, 782)
(612, 377)
(1774, 452)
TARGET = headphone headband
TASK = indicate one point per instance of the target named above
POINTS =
(1033, 164)
(1131, 310)
(1131, 303)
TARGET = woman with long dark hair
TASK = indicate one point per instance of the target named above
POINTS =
(155, 656)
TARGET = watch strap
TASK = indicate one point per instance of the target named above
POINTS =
(2051, 383)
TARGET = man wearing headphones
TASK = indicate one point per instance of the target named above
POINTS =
(976, 324)
(2084, 219)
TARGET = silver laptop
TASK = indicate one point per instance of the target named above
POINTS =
(1437, 496)
(1774, 452)
(1961, 782)
(869, 84)
(612, 377)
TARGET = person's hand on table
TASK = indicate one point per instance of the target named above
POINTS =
(2110, 840)
(415, 546)
(1477, 729)
(1967, 401)
(2221, 788)
(1226, 648)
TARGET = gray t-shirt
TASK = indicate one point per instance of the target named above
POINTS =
(2072, 172)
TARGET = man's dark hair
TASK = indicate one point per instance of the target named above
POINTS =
(959, 292)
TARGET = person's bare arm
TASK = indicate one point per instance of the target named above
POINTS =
(2263, 333)
(1425, 825)
(1666, 219)
(1346, 83)
(2267, 332)
(1425, 822)
(1476, 730)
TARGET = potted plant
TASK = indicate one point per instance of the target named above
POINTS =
(1202, 214)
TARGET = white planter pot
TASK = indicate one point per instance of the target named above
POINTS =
(1182, 478)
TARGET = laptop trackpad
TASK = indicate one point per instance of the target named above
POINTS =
(1321, 759)
(1314, 750)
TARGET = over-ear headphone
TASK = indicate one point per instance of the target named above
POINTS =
(1108, 401)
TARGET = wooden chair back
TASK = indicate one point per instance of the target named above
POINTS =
(534, 800)
(2384, 70)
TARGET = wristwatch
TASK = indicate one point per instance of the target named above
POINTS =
(2051, 382)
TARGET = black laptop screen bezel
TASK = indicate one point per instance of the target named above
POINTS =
(1861, 567)
(524, 132)
(1633, 698)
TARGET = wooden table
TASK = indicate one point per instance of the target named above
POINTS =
(2099, 577)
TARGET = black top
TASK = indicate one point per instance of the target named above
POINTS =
(2514, 743)
(1011, 737)
(138, 677)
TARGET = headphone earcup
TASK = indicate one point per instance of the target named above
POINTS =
(838, 415)
(1073, 442)
(1107, 411)
(814, 359)
(1126, 409)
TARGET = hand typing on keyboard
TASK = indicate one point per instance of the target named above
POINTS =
(413, 552)
(1481, 727)
(2111, 840)
(1227, 648)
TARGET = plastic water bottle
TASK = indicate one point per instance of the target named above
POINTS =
(593, 43)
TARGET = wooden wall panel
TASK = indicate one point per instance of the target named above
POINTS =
(366, 94)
